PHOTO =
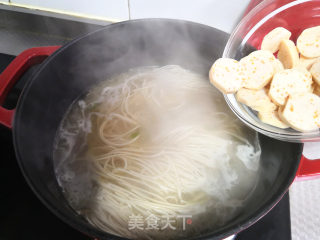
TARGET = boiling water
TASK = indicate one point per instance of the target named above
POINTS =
(155, 144)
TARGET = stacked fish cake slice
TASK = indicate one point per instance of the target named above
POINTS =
(285, 91)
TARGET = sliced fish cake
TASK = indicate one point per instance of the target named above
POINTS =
(277, 66)
(280, 112)
(226, 75)
(258, 100)
(267, 55)
(306, 62)
(288, 54)
(305, 72)
(258, 68)
(288, 82)
(316, 89)
(272, 118)
(272, 40)
(302, 112)
(308, 43)
(315, 71)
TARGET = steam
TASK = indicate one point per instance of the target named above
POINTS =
(154, 42)
(91, 59)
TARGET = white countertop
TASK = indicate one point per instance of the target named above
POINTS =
(305, 209)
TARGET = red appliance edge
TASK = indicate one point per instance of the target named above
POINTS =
(14, 71)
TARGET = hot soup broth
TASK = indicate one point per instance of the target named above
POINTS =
(155, 153)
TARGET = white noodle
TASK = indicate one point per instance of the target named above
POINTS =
(157, 141)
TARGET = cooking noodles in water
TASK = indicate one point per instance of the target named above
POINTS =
(155, 154)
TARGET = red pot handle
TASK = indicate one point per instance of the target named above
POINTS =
(308, 169)
(14, 71)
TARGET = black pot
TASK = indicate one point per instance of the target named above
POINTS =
(77, 66)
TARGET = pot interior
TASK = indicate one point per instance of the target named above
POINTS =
(86, 61)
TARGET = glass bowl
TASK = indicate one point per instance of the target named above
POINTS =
(247, 37)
